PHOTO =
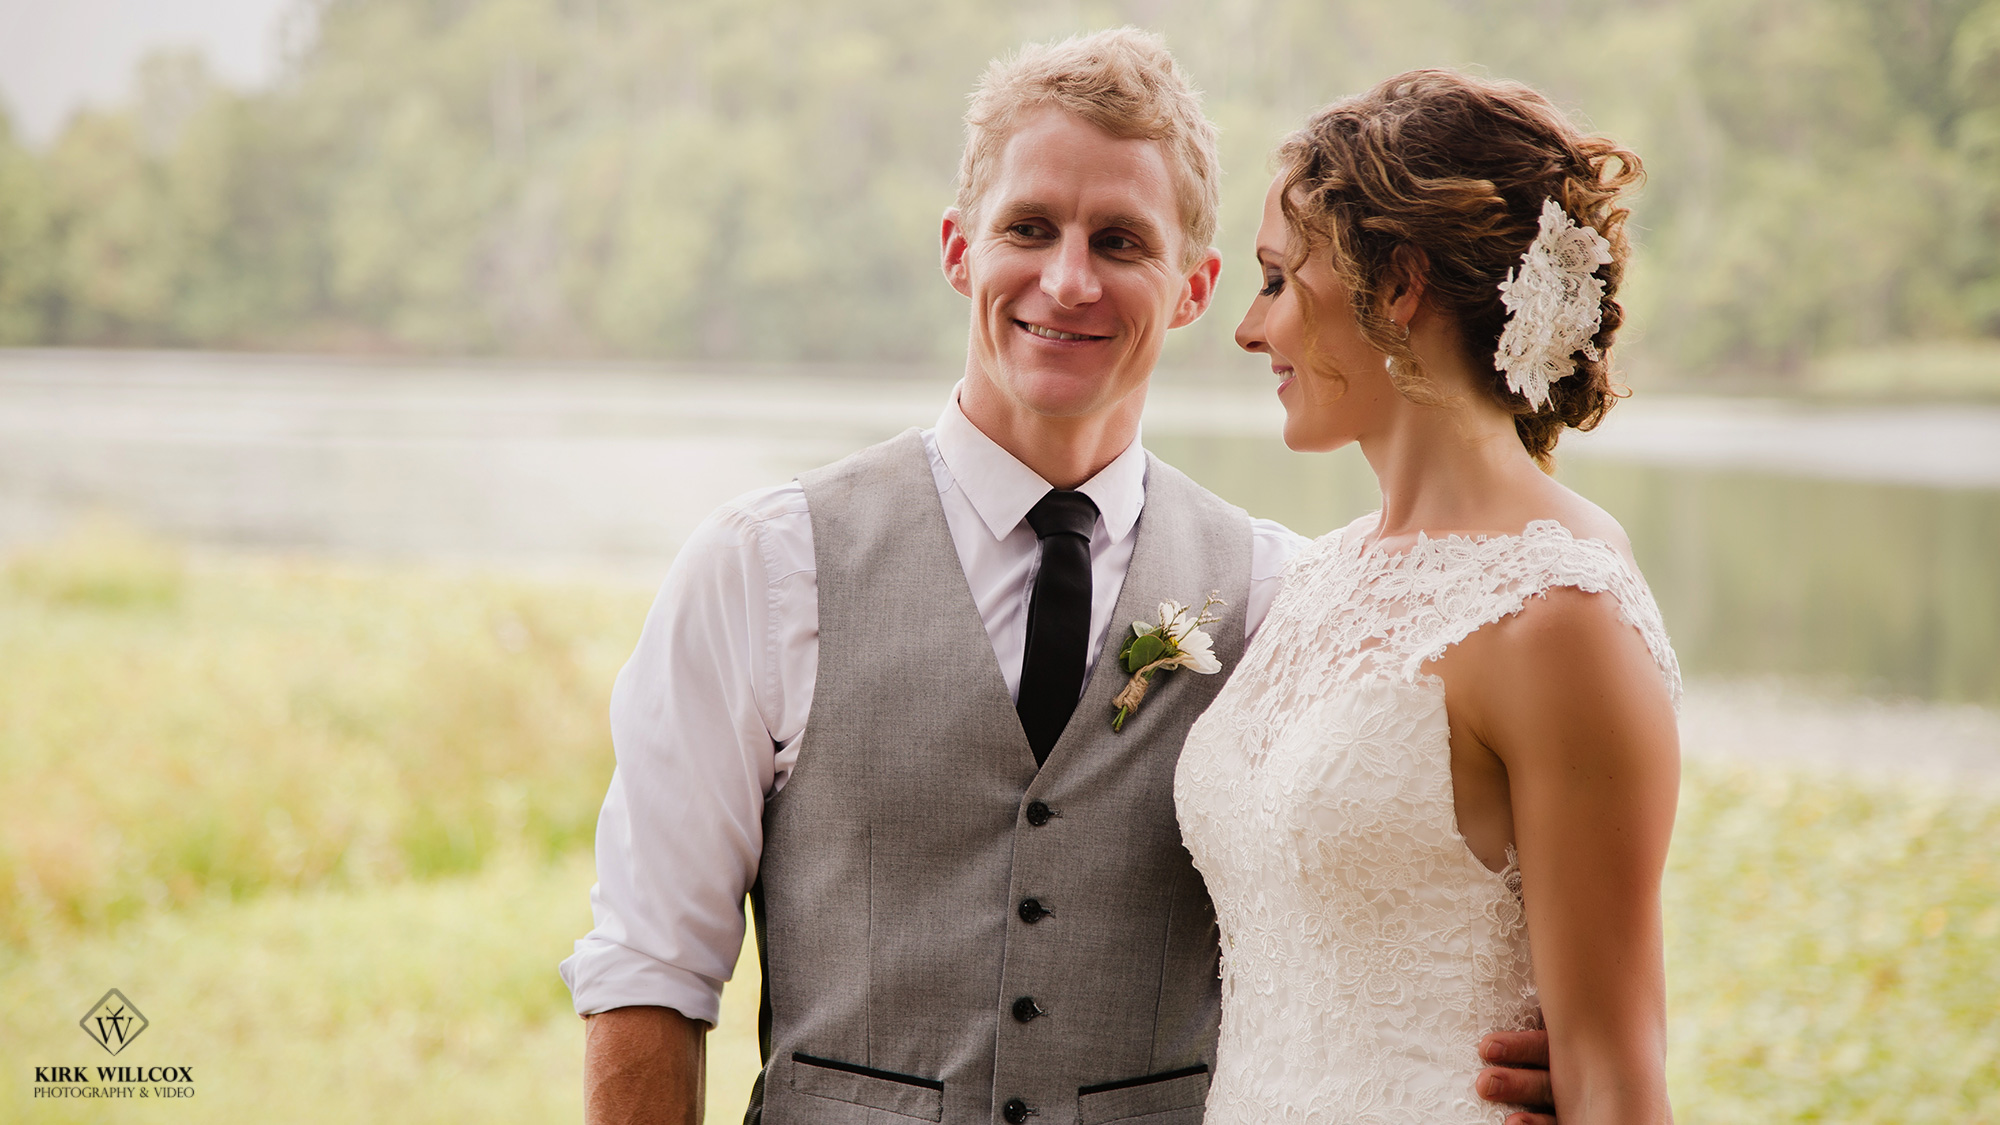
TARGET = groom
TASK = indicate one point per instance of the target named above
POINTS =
(879, 699)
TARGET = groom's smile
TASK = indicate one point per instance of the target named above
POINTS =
(1045, 332)
(1074, 261)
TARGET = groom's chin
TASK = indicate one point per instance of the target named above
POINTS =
(1071, 394)
(1071, 387)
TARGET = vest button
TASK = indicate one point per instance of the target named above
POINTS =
(1032, 910)
(1015, 1111)
(1025, 1009)
(1038, 813)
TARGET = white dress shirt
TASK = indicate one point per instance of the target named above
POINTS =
(706, 715)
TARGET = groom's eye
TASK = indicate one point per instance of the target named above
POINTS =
(1025, 230)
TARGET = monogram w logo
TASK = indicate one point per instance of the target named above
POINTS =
(114, 1022)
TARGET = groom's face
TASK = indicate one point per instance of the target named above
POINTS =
(1076, 266)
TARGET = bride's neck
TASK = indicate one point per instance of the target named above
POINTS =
(1456, 466)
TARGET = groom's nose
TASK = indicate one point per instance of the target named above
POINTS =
(1069, 275)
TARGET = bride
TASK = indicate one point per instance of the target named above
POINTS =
(1456, 730)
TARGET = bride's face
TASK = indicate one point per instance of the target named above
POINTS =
(1335, 385)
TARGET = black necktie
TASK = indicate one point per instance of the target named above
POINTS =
(1058, 619)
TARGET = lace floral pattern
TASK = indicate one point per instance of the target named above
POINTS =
(1554, 305)
(1365, 949)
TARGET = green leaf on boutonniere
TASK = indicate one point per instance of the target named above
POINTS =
(1141, 651)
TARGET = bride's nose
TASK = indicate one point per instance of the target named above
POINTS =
(1250, 331)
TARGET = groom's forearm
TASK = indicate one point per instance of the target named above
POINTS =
(642, 1066)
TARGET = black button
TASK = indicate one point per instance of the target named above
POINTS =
(1038, 815)
(1025, 1009)
(1015, 1111)
(1032, 910)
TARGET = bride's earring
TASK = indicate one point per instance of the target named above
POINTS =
(1404, 370)
(1391, 363)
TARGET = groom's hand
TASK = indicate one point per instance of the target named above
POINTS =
(1519, 1075)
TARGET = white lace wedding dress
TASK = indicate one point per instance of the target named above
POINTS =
(1365, 950)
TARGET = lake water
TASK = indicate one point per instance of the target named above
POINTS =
(1855, 553)
(1888, 589)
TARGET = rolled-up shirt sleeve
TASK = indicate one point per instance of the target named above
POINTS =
(1272, 545)
(704, 717)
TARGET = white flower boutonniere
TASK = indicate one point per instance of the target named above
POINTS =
(1175, 642)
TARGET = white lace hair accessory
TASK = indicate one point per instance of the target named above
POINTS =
(1552, 305)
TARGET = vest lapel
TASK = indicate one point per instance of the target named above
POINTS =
(957, 611)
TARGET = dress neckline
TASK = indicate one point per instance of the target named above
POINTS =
(1364, 552)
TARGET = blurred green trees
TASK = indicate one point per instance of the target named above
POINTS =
(762, 178)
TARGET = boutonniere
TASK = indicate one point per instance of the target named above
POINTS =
(1175, 642)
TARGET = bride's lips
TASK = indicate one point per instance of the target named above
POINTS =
(1286, 377)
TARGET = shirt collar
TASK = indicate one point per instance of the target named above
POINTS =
(1002, 489)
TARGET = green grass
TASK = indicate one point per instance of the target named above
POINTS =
(328, 828)
(432, 1001)
(1833, 951)
(191, 732)
(421, 1002)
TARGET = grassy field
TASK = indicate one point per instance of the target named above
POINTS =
(328, 828)
(194, 731)
(1833, 951)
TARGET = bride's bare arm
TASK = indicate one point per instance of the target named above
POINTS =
(1568, 698)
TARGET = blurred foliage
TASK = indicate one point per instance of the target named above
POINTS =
(432, 1003)
(1940, 369)
(1833, 949)
(213, 730)
(103, 564)
(762, 179)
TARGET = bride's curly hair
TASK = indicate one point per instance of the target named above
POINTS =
(1443, 174)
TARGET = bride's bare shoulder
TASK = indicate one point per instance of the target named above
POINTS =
(1583, 519)
(1362, 524)
(1563, 631)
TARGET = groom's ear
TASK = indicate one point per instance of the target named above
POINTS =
(1200, 289)
(951, 237)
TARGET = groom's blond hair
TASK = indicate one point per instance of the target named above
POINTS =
(1125, 82)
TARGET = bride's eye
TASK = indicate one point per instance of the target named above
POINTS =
(1274, 283)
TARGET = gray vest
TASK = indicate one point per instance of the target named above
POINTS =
(947, 933)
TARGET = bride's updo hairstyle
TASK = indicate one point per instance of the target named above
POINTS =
(1445, 175)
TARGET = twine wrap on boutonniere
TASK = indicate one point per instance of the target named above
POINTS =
(1175, 642)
